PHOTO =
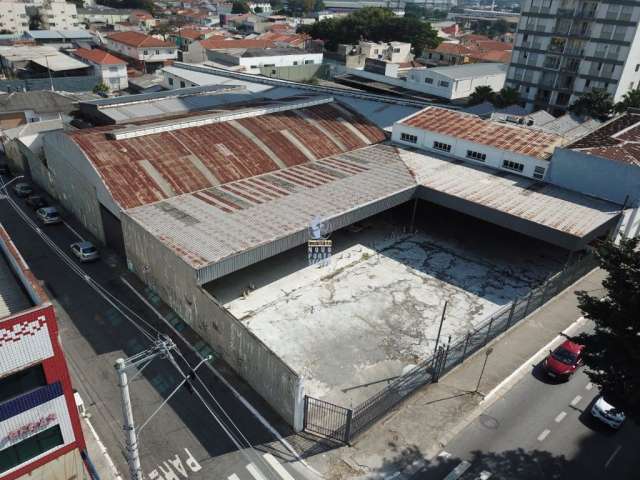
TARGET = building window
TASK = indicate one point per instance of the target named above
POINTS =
(480, 157)
(538, 172)
(442, 146)
(31, 447)
(406, 137)
(182, 84)
(637, 67)
(442, 83)
(170, 81)
(515, 166)
(22, 382)
(157, 52)
(428, 80)
(308, 62)
(145, 52)
(295, 63)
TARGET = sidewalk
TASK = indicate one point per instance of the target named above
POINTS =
(418, 428)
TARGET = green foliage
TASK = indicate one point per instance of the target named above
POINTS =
(612, 350)
(597, 104)
(481, 94)
(147, 5)
(257, 10)
(493, 29)
(418, 11)
(374, 24)
(239, 7)
(302, 7)
(101, 88)
(506, 97)
(631, 99)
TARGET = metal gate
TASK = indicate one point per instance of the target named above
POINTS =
(327, 419)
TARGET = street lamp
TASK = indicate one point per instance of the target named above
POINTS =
(488, 352)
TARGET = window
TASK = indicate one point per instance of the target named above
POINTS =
(442, 146)
(113, 69)
(145, 52)
(428, 80)
(157, 52)
(442, 83)
(295, 63)
(538, 172)
(308, 62)
(182, 84)
(515, 166)
(21, 382)
(170, 81)
(31, 447)
(406, 137)
(480, 157)
(637, 67)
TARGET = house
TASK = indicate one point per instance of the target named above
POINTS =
(143, 19)
(186, 36)
(198, 50)
(458, 81)
(252, 60)
(111, 69)
(145, 52)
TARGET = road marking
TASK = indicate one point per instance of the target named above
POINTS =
(458, 471)
(561, 416)
(544, 435)
(73, 231)
(576, 400)
(255, 473)
(588, 386)
(615, 452)
(484, 475)
(233, 476)
(444, 454)
(533, 359)
(277, 467)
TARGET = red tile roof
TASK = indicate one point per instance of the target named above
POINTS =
(452, 49)
(153, 167)
(525, 141)
(193, 33)
(499, 56)
(98, 56)
(137, 39)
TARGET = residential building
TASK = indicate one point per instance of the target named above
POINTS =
(565, 48)
(458, 81)
(39, 422)
(13, 17)
(392, 52)
(111, 69)
(198, 50)
(145, 52)
(263, 7)
(251, 60)
(59, 15)
(143, 19)
(470, 49)
(102, 14)
(184, 37)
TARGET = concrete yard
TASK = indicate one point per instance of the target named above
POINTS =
(351, 326)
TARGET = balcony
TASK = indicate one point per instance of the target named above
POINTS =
(580, 32)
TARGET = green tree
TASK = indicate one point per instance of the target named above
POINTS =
(257, 10)
(483, 93)
(631, 99)
(506, 97)
(101, 88)
(612, 351)
(597, 104)
(239, 7)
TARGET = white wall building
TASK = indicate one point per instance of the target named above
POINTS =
(457, 81)
(564, 48)
(147, 52)
(110, 68)
(265, 7)
(13, 17)
(59, 15)
(253, 59)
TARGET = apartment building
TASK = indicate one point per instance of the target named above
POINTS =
(59, 15)
(40, 432)
(13, 17)
(564, 48)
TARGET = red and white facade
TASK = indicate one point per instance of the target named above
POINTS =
(40, 432)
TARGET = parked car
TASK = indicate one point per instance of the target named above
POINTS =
(85, 251)
(36, 201)
(49, 215)
(605, 412)
(564, 360)
(4, 169)
(22, 189)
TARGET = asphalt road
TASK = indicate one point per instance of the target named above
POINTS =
(541, 430)
(184, 438)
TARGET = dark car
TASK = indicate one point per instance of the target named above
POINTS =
(36, 201)
(564, 360)
(23, 189)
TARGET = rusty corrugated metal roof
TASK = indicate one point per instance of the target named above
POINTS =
(525, 141)
(153, 167)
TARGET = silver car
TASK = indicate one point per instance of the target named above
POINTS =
(606, 413)
(85, 251)
(49, 215)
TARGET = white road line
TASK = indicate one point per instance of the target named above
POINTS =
(534, 359)
(277, 467)
(560, 417)
(458, 471)
(615, 452)
(576, 400)
(484, 475)
(255, 473)
(444, 454)
(233, 476)
(73, 231)
(103, 450)
(544, 434)
(588, 386)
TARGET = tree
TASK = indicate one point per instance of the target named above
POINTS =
(612, 351)
(481, 94)
(101, 88)
(506, 97)
(631, 99)
(77, 3)
(597, 104)
(239, 7)
(257, 10)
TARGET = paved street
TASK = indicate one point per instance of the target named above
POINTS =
(541, 430)
(184, 438)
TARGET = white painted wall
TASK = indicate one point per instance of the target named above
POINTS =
(252, 65)
(449, 87)
(13, 16)
(148, 54)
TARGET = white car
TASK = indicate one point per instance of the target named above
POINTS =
(85, 251)
(604, 411)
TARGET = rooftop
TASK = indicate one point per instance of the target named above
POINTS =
(41, 101)
(59, 63)
(98, 56)
(525, 141)
(471, 70)
(618, 140)
(222, 44)
(137, 39)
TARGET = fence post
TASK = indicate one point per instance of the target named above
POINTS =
(526, 308)
(466, 344)
(347, 427)
(446, 355)
(306, 412)
(511, 311)
(486, 340)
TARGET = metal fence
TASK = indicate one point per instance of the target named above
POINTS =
(344, 424)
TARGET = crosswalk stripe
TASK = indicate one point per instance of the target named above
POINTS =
(277, 467)
(255, 473)
(457, 472)
(233, 476)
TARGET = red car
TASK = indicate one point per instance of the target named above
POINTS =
(563, 361)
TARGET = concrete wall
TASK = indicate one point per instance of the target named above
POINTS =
(174, 281)
(298, 73)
